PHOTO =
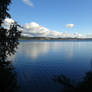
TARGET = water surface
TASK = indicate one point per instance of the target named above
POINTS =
(37, 62)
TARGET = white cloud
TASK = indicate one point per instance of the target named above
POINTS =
(89, 36)
(28, 2)
(70, 25)
(7, 22)
(33, 29)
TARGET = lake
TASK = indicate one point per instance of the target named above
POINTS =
(38, 62)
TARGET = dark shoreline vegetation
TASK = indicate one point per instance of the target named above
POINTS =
(48, 38)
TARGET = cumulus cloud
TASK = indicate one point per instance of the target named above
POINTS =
(28, 2)
(33, 29)
(8, 21)
(70, 25)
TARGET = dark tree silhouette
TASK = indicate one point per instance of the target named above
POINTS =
(8, 38)
(8, 79)
(8, 44)
(4, 10)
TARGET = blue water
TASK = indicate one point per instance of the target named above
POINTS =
(37, 62)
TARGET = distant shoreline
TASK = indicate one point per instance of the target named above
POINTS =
(48, 38)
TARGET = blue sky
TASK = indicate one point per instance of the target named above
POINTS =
(55, 14)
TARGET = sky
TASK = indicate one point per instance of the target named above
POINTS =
(67, 16)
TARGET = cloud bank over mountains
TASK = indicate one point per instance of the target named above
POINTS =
(33, 29)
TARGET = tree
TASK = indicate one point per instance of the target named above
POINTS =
(4, 10)
(8, 44)
(8, 37)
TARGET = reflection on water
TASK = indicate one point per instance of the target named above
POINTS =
(8, 82)
(36, 49)
(84, 85)
(38, 61)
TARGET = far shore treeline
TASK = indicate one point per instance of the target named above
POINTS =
(49, 38)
